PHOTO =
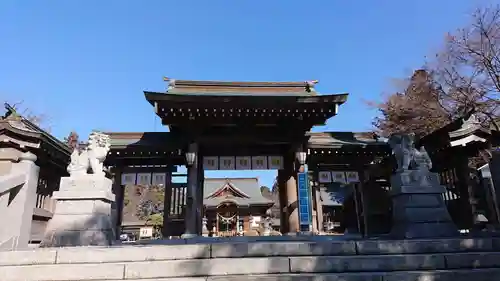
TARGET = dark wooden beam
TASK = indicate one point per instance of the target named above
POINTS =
(148, 169)
(141, 161)
(236, 149)
(316, 118)
(232, 101)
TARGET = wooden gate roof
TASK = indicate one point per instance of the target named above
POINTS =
(215, 102)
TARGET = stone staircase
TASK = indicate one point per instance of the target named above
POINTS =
(314, 258)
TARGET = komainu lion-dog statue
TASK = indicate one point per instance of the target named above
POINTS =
(91, 157)
(407, 156)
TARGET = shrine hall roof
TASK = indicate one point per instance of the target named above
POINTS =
(141, 139)
(316, 140)
(247, 186)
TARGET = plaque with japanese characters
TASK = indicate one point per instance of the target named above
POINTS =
(144, 179)
(159, 179)
(243, 163)
(275, 162)
(338, 177)
(352, 177)
(259, 162)
(226, 163)
(325, 176)
(129, 178)
(211, 163)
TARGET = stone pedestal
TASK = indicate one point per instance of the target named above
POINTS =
(83, 214)
(418, 207)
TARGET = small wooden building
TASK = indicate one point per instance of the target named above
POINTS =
(18, 135)
(231, 206)
(234, 206)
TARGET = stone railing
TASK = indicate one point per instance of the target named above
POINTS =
(16, 208)
(7, 239)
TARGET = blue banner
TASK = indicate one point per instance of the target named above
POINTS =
(304, 201)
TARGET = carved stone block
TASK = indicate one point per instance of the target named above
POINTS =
(417, 179)
(421, 215)
(85, 182)
(83, 214)
(417, 200)
(419, 210)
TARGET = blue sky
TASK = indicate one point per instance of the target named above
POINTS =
(86, 63)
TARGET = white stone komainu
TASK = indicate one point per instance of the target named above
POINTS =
(92, 157)
(83, 214)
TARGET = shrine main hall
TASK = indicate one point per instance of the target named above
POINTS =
(217, 125)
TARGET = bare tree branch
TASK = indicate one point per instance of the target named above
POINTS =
(39, 119)
(464, 76)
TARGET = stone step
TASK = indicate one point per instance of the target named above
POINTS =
(285, 258)
(154, 269)
(488, 274)
(138, 253)
(441, 275)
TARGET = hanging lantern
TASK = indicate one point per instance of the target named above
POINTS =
(301, 157)
(190, 158)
